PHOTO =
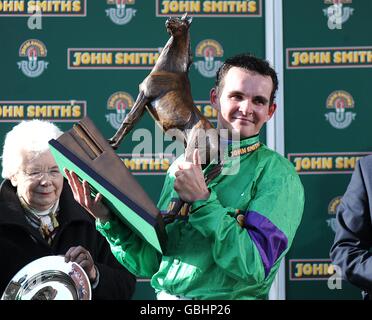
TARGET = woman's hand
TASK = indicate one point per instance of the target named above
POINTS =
(82, 256)
(81, 192)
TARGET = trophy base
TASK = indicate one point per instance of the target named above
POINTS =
(84, 151)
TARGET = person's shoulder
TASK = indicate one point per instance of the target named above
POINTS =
(275, 160)
(366, 161)
(281, 170)
(71, 209)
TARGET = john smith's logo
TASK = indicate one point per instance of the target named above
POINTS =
(340, 101)
(32, 50)
(337, 14)
(121, 14)
(208, 50)
(332, 210)
(120, 102)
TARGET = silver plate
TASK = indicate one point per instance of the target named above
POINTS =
(49, 278)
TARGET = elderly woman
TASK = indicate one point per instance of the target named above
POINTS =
(39, 216)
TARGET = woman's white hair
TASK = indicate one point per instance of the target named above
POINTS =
(27, 136)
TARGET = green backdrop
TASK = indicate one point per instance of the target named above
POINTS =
(98, 52)
(324, 150)
(88, 57)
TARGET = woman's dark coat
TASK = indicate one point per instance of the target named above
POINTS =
(20, 243)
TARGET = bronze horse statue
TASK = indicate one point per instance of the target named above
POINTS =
(166, 94)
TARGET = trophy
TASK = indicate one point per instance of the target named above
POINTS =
(85, 151)
(166, 94)
(49, 278)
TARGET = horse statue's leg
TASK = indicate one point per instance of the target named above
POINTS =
(130, 120)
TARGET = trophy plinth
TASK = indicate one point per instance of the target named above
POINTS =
(85, 151)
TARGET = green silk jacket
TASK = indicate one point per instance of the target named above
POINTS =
(209, 255)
